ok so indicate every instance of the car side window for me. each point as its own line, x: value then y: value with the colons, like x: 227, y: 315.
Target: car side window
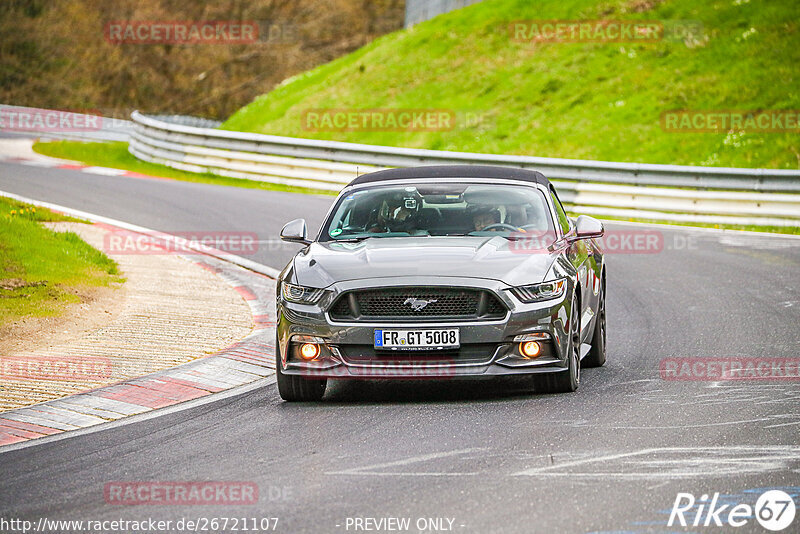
x: 563, y: 220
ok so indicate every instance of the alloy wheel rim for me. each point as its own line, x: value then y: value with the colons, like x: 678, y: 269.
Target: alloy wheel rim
x: 576, y: 346
x: 603, y: 320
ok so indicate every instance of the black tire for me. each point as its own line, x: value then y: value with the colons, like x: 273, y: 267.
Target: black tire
x: 569, y: 380
x: 297, y: 388
x: 597, y: 354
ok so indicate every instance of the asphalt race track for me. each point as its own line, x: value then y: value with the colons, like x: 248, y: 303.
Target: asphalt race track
x: 611, y: 457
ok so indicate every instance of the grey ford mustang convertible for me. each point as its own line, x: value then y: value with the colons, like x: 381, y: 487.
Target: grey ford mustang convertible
x: 439, y: 272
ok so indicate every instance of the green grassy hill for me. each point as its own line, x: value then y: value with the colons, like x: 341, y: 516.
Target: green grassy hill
x: 571, y: 100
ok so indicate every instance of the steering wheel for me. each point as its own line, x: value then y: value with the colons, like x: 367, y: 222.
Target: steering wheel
x: 529, y: 226
x: 499, y: 226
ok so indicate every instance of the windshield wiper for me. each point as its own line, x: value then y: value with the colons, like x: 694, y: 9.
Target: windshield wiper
x: 353, y: 239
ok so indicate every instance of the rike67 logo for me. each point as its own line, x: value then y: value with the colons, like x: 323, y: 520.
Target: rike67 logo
x: 774, y: 510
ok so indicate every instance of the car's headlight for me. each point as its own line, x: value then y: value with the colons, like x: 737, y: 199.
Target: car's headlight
x: 539, y: 292
x: 300, y: 294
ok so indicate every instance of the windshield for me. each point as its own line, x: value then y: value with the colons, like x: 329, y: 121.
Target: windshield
x: 439, y: 210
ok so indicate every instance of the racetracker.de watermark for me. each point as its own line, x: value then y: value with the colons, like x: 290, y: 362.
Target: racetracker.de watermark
x: 48, y: 120
x: 402, y: 365
x: 70, y: 368
x: 379, y: 120
x: 729, y: 368
x: 181, y: 493
x: 587, y: 31
x: 127, y: 242
x: 721, y: 121
x: 605, y: 31
x: 226, y: 32
x: 612, y: 242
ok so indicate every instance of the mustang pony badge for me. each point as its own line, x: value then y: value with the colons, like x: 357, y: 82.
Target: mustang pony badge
x: 418, y: 304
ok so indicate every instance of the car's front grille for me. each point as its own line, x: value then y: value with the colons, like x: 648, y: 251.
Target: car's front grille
x: 418, y: 304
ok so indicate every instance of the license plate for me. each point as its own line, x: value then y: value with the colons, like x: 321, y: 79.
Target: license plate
x: 417, y: 339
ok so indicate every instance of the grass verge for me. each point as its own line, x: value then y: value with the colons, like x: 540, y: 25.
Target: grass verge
x: 115, y: 155
x: 42, y: 271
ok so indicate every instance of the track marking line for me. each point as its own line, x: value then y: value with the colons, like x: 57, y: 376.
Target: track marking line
x: 371, y: 470
x: 685, y: 462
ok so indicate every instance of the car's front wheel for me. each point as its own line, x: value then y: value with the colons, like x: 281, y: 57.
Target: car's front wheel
x: 568, y: 380
x: 294, y: 388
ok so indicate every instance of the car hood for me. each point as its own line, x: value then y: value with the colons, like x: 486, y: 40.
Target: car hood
x: 495, y: 258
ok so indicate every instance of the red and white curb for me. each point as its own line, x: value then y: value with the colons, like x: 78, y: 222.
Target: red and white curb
x: 51, y: 163
x: 244, y: 363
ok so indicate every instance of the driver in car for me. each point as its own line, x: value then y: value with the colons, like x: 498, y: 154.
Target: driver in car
x: 399, y: 216
x: 485, y: 217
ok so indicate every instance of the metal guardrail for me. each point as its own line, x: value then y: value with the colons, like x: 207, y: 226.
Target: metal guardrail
x: 421, y: 10
x: 629, y: 190
x: 21, y: 120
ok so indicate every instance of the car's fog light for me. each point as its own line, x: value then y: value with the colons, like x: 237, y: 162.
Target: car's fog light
x: 309, y: 351
x: 530, y: 349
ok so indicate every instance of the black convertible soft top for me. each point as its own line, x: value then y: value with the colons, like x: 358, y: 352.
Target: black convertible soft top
x: 454, y: 171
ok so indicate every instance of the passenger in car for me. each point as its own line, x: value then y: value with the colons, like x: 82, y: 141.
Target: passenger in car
x: 516, y: 216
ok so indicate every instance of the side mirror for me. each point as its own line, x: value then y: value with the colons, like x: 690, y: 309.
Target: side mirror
x: 296, y: 232
x: 588, y: 227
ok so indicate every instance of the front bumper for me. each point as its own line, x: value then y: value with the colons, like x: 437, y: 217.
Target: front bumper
x: 487, y: 346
